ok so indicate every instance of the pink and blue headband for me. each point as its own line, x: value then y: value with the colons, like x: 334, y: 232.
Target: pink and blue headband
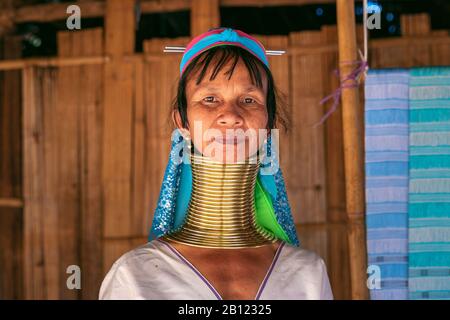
x: 220, y: 37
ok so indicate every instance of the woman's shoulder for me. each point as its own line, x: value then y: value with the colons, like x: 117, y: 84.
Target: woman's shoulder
x: 139, y: 253
x: 302, y: 257
x: 139, y: 258
x: 131, y: 268
x: 308, y: 269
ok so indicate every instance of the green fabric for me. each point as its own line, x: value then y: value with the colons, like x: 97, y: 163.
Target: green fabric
x: 265, y: 214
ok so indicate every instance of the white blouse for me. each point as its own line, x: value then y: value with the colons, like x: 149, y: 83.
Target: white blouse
x: 157, y: 271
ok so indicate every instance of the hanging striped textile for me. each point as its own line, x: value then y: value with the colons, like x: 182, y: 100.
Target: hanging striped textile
x: 386, y: 163
x: 429, y: 186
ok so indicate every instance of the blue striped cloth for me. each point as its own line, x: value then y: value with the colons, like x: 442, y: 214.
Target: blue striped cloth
x: 386, y: 163
x: 429, y: 185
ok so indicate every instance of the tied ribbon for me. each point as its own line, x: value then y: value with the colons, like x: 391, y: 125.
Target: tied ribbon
x: 353, y: 77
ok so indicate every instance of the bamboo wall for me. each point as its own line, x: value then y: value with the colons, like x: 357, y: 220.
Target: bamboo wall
x: 96, y: 136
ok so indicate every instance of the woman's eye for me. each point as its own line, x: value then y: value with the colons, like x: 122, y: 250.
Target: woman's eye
x: 209, y: 100
x: 249, y: 100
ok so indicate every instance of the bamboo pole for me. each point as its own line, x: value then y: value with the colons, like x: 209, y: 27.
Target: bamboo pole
x: 51, y: 62
x: 11, y: 202
x: 352, y: 122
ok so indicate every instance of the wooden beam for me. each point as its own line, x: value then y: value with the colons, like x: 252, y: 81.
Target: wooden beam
x: 57, y: 11
x: 96, y: 9
x: 165, y: 6
x: 51, y: 62
x: 352, y: 123
x: 89, y: 9
x: 205, y: 14
x: 268, y: 3
x: 118, y: 111
x: 11, y: 202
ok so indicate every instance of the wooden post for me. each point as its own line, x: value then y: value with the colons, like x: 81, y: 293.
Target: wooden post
x: 11, y: 222
x: 32, y: 196
x: 117, y: 128
x: 120, y: 31
x: 353, y: 137
x: 204, y: 16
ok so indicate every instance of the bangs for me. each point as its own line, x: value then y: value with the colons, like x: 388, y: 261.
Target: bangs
x: 220, y: 56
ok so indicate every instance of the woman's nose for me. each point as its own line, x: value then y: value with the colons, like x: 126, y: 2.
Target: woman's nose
x: 230, y: 116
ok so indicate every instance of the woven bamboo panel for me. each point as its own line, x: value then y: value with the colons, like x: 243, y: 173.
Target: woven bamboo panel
x: 62, y: 213
x: 91, y: 116
x: 307, y: 154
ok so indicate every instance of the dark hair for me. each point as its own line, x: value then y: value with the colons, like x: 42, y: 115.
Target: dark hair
x: 275, y: 101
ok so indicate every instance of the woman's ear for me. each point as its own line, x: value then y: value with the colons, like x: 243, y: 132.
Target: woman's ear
x: 176, y: 118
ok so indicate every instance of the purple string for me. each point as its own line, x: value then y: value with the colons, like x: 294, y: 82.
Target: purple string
x: 336, y: 95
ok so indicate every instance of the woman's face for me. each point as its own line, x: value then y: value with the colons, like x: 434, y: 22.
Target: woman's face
x: 225, y: 115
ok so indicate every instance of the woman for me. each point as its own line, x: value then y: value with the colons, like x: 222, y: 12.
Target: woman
x: 222, y: 228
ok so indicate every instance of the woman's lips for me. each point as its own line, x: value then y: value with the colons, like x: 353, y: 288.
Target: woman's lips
x: 229, y: 139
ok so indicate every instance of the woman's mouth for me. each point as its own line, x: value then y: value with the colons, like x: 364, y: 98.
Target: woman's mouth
x: 229, y: 139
